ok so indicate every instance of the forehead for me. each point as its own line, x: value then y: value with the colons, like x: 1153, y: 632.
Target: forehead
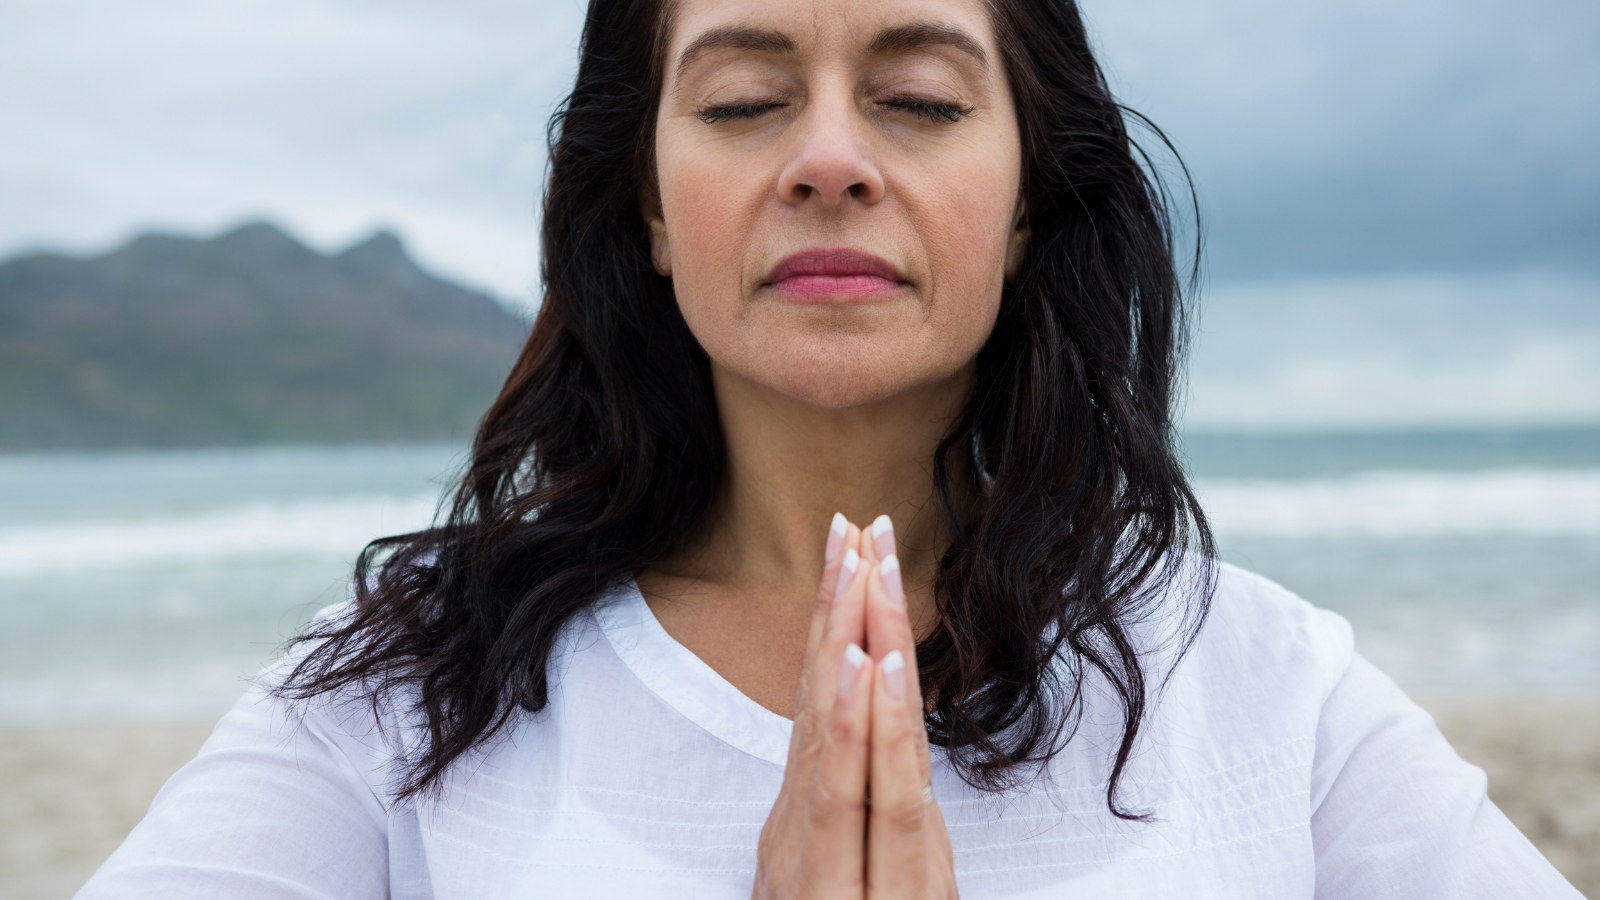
x: 845, y: 27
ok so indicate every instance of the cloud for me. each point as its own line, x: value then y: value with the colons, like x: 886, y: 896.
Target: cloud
x: 1371, y: 134
x: 1326, y: 137
x: 332, y: 117
x: 1520, y: 348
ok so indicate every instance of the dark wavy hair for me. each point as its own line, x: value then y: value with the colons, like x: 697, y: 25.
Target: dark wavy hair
x: 603, y: 450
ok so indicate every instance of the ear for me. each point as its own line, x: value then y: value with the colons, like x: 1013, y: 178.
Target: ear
x: 660, y: 249
x: 1017, y: 243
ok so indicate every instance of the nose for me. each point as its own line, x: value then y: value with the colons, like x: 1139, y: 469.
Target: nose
x: 829, y: 163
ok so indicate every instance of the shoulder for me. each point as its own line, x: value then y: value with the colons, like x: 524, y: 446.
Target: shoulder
x: 374, y: 726
x: 1257, y: 619
x: 1263, y: 649
x: 357, y: 728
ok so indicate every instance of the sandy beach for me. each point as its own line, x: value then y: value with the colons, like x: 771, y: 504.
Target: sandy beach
x: 69, y: 793
x: 1542, y: 756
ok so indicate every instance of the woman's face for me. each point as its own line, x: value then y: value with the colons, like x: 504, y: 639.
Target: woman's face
x: 838, y: 190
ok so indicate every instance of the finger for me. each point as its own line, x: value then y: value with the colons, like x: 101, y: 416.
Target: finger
x: 842, y: 623
x: 845, y: 625
x: 888, y: 620
x: 838, y: 530
x: 888, y: 631
x: 898, y: 822
x: 836, y: 802
x: 883, y: 539
x: 839, y: 537
x: 841, y: 534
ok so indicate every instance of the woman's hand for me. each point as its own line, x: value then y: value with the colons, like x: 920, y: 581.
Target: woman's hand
x: 858, y: 728
x: 813, y: 843
x: 908, y: 847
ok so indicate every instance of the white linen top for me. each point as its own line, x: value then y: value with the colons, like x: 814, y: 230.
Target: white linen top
x: 1277, y: 763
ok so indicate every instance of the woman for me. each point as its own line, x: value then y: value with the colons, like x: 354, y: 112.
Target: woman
x: 894, y: 259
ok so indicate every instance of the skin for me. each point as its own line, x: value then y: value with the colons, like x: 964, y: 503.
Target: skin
x: 815, y: 130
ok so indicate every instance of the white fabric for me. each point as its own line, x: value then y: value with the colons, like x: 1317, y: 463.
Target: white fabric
x: 1278, y: 764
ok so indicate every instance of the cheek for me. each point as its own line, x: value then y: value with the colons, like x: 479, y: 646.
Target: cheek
x: 967, y: 230
x: 709, y: 211
x: 965, y: 234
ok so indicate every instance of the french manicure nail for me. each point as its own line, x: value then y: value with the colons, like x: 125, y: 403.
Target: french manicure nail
x: 847, y: 570
x: 894, y: 675
x: 836, y: 533
x: 883, y: 536
x: 853, y: 658
x: 889, y: 575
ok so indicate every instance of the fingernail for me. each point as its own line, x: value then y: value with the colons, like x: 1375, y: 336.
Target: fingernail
x: 883, y: 536
x: 894, y: 675
x: 836, y: 533
x: 847, y: 570
x: 853, y: 658
x: 889, y: 575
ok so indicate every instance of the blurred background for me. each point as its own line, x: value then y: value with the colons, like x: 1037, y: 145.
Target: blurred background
x: 262, y: 265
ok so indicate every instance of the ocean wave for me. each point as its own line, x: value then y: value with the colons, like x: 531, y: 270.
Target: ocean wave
x: 1407, y: 504
x: 196, y: 690
x: 1378, y: 504
x: 315, y: 527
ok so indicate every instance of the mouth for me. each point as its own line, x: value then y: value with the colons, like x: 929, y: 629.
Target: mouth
x: 834, y: 275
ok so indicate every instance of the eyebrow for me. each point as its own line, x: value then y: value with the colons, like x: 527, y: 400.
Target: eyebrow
x: 736, y: 38
x: 899, y: 39
x: 919, y: 35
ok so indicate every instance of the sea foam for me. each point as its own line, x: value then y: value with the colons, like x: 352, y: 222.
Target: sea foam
x: 1408, y: 504
x: 1375, y: 504
x: 315, y: 527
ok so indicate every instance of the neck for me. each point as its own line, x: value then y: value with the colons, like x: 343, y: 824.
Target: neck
x: 792, y: 465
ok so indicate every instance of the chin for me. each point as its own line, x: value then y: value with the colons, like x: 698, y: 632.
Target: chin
x: 832, y: 392
x: 838, y: 376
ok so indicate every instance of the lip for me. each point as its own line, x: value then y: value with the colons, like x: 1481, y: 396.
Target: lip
x: 834, y: 274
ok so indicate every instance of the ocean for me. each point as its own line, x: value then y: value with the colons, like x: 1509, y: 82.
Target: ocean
x: 152, y: 585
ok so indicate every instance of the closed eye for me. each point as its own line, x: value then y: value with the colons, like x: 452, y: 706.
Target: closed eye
x: 942, y: 113
x: 732, y: 111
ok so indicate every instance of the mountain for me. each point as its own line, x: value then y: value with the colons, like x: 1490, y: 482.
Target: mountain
x: 245, y: 338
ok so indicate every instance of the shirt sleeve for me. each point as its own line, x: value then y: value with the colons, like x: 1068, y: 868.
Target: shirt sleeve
x: 1396, y: 813
x: 276, y: 805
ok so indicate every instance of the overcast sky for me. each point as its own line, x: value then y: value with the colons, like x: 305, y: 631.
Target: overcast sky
x: 1357, y: 135
x: 1342, y: 139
